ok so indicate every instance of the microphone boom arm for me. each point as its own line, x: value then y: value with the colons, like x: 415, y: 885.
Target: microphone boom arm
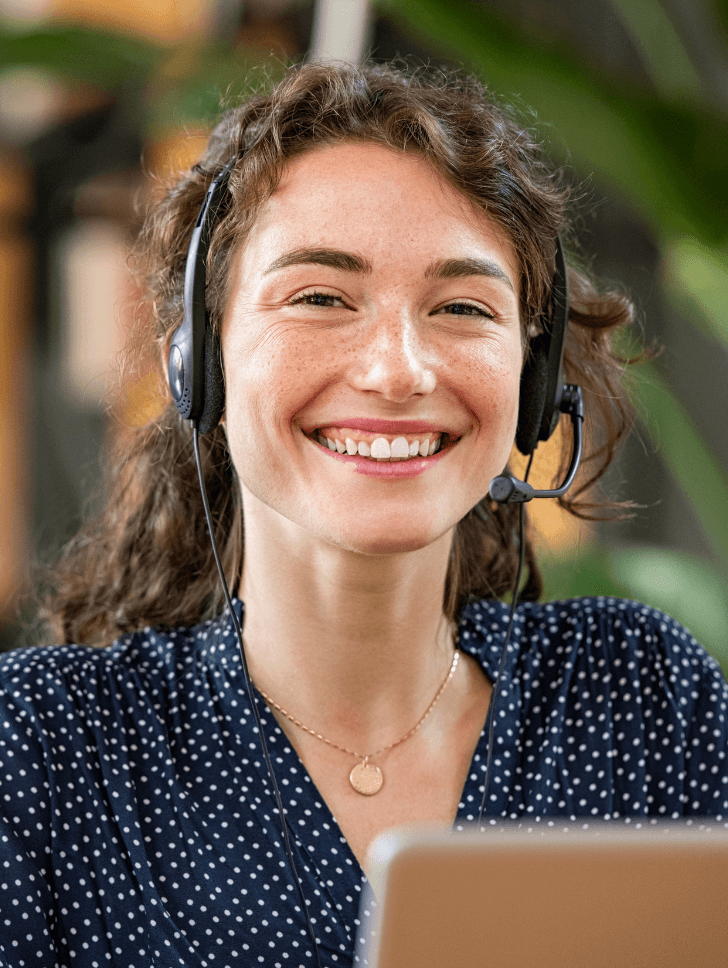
x: 507, y: 489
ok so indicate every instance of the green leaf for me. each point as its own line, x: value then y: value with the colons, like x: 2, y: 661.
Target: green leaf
x: 668, y: 158
x: 103, y: 59
x: 689, y: 460
x: 202, y: 81
x: 662, y: 50
x: 184, y: 84
x: 701, y: 274
x: 589, y: 572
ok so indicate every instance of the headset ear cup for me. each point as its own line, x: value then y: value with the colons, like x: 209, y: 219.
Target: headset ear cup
x: 532, y: 395
x: 213, y: 390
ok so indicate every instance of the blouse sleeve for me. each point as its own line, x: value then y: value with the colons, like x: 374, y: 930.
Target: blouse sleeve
x: 685, y: 715
x: 26, y: 896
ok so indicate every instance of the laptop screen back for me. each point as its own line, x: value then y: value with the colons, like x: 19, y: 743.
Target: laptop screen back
x: 579, y: 896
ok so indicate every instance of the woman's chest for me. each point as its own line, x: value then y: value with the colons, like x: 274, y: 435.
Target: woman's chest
x: 420, y: 791
x: 420, y: 780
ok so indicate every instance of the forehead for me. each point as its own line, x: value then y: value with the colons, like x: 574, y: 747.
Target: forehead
x: 373, y: 196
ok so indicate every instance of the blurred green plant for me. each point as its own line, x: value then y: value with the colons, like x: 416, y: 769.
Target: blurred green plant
x: 176, y: 85
x: 667, y: 155
x: 80, y: 55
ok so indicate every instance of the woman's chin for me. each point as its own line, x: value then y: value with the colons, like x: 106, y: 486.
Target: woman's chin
x: 379, y: 540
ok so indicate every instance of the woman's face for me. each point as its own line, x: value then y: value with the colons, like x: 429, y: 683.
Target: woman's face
x: 373, y: 307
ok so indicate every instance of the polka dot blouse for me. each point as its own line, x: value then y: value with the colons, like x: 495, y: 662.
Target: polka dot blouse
x: 137, y: 825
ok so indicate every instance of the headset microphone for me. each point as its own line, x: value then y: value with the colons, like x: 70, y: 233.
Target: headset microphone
x: 507, y: 489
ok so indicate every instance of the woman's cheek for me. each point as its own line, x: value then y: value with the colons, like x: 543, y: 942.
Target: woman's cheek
x: 494, y: 386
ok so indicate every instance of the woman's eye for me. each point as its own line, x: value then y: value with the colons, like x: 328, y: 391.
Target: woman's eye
x: 465, y: 309
x: 317, y: 299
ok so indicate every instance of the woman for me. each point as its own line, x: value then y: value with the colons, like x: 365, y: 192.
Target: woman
x: 379, y: 265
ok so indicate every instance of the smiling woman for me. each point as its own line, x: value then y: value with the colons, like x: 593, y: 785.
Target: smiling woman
x: 382, y: 271
x: 456, y: 140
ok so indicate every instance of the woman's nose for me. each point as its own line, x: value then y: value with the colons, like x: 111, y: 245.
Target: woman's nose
x: 394, y: 361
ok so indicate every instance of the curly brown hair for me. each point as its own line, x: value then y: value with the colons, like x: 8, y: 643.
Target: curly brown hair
x: 146, y: 559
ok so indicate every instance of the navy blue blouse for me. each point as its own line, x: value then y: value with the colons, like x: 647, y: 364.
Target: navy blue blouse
x: 137, y: 825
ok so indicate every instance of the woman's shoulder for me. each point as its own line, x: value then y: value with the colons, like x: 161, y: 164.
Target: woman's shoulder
x: 611, y: 690
x: 145, y: 660
x: 602, y: 632
x: 600, y: 619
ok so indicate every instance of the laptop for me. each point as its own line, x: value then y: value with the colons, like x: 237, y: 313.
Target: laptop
x: 634, y: 894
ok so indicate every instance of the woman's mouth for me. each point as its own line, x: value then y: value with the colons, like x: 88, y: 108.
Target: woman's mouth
x: 381, y: 447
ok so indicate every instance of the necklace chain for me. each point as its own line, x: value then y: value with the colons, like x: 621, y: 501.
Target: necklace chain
x: 365, y: 757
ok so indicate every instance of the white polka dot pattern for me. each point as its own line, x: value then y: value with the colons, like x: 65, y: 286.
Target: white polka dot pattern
x: 137, y: 827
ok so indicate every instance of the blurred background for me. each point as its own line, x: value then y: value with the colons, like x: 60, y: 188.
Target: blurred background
x: 99, y: 99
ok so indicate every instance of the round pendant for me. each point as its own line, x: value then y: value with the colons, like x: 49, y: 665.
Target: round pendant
x: 366, y: 779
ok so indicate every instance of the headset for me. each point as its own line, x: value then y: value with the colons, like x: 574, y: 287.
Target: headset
x: 194, y: 370
x: 544, y: 396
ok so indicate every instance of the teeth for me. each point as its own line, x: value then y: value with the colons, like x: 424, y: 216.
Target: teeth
x: 399, y: 448
x: 381, y: 449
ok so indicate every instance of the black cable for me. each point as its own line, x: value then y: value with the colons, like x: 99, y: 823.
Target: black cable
x: 253, y: 703
x: 504, y: 653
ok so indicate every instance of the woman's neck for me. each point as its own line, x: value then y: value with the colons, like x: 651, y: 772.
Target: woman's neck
x: 353, y: 645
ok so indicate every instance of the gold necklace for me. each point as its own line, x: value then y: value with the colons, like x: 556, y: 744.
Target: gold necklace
x: 365, y: 777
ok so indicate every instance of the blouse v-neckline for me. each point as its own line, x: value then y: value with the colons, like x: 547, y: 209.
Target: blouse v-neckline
x: 471, y: 795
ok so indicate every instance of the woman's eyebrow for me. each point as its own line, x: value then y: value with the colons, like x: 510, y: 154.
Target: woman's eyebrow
x: 350, y: 262
x: 334, y: 258
x: 454, y: 268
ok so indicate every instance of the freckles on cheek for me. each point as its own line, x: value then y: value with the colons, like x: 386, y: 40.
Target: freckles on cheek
x: 496, y: 390
x: 270, y: 389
